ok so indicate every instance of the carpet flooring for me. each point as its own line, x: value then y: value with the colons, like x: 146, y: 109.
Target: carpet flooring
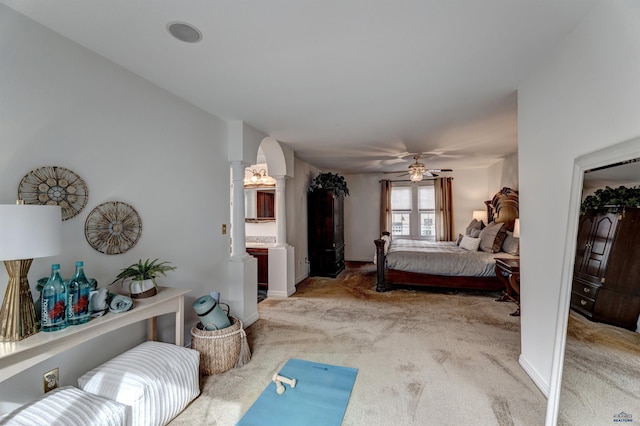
x: 601, y: 375
x: 423, y: 357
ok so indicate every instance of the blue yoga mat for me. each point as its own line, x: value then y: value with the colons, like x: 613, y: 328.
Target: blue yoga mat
x: 320, y: 397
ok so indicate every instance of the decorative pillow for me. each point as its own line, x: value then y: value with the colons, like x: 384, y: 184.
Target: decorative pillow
x: 474, y: 224
x: 459, y: 239
x: 511, y: 244
x: 475, y: 233
x: 470, y: 243
x: 492, y: 237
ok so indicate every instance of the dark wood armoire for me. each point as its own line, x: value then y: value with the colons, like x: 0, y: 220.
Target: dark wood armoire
x: 326, y: 233
x: 606, y: 278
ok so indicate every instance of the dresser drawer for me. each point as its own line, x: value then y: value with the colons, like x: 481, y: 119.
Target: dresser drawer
x: 582, y: 304
x: 584, y: 289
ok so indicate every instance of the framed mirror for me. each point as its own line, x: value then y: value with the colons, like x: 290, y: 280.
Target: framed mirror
x: 259, y: 204
x: 596, y: 365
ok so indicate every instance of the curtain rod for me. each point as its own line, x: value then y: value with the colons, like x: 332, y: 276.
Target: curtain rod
x: 408, y: 180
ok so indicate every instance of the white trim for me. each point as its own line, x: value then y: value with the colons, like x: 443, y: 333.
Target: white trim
x: 534, y: 375
x: 610, y: 155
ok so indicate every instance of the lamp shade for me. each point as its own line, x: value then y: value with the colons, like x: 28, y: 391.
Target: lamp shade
x: 480, y: 215
x: 516, y: 228
x: 29, y: 231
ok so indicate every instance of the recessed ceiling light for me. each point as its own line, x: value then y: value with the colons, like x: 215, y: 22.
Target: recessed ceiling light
x: 184, y: 32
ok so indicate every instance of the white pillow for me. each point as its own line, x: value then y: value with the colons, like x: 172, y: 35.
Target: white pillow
x: 470, y: 243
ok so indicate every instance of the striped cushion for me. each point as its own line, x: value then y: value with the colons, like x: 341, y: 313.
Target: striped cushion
x: 67, y: 406
x: 156, y: 380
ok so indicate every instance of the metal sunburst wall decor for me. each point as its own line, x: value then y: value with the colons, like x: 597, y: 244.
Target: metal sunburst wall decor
x: 56, y: 186
x: 113, y: 227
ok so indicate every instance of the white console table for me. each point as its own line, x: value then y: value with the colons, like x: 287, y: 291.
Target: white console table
x: 16, y: 357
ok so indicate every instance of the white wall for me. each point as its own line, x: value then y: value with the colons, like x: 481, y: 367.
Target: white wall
x: 296, y: 199
x: 585, y: 97
x: 63, y: 105
x: 260, y: 229
x: 504, y: 173
x: 470, y: 190
x: 361, y: 216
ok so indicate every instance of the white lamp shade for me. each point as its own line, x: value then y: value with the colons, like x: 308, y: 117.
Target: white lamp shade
x: 516, y: 229
x: 480, y: 215
x: 29, y: 231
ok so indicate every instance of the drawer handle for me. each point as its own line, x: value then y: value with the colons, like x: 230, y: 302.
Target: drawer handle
x: 583, y: 302
x: 586, y: 290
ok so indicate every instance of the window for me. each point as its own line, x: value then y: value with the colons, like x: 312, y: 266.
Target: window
x: 413, y: 210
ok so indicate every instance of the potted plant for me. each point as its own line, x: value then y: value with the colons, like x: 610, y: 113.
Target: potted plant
x: 611, y: 197
x: 331, y: 181
x: 142, y: 276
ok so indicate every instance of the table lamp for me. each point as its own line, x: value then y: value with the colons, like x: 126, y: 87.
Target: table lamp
x: 26, y: 232
x: 480, y: 215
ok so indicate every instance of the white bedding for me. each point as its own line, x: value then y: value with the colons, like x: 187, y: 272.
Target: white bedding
x: 440, y: 258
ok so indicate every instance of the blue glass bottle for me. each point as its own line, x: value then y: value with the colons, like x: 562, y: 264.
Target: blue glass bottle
x: 78, y: 290
x: 53, y: 300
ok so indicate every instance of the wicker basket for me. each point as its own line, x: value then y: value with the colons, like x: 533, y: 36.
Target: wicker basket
x: 221, y: 350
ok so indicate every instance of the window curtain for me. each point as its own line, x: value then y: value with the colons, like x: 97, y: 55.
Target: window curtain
x: 444, y: 208
x: 385, y: 206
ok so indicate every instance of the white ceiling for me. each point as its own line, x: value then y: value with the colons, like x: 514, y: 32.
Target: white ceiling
x: 350, y: 85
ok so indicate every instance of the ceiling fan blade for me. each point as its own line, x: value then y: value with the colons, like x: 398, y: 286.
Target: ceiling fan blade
x: 439, y: 170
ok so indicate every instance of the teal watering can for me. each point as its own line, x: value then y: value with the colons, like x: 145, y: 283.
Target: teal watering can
x: 211, y: 314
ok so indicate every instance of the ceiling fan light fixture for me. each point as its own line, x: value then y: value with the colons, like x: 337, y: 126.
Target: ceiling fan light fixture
x: 416, y: 177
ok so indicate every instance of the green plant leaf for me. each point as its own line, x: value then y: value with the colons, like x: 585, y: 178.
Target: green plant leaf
x: 147, y: 270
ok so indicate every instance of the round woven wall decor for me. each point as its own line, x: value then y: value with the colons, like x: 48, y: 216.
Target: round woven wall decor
x: 55, y: 186
x: 113, y: 227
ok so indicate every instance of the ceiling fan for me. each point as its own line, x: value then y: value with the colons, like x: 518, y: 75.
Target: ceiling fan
x: 417, y: 171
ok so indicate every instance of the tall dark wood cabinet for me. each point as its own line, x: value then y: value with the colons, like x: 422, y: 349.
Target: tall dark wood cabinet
x: 326, y: 233
x: 606, y: 278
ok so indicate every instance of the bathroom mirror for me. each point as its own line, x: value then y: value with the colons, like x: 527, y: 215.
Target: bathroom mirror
x: 596, y: 366
x: 259, y: 204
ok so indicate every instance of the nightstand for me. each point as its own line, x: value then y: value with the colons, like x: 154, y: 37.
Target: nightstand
x: 510, y: 266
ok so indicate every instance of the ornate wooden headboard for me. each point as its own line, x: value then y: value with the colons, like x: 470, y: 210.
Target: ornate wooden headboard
x: 503, y: 207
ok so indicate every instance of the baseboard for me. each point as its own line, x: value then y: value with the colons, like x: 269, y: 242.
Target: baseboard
x: 250, y: 319
x: 534, y: 375
x: 272, y: 293
x: 300, y: 278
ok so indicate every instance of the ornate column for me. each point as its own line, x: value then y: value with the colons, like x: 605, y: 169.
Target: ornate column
x: 238, y: 247
x: 281, y: 212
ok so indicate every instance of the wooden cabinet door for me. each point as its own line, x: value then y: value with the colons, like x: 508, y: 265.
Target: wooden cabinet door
x: 623, y: 266
x: 585, y: 225
x: 262, y: 254
x: 265, y: 202
x: 593, y: 262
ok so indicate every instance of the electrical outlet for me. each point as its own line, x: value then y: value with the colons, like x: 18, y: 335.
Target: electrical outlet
x: 224, y: 228
x: 51, y: 380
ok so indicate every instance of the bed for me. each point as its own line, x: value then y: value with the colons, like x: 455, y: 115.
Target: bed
x: 448, y: 264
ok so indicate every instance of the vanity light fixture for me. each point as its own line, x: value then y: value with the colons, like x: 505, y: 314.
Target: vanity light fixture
x: 259, y: 176
x: 184, y: 31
